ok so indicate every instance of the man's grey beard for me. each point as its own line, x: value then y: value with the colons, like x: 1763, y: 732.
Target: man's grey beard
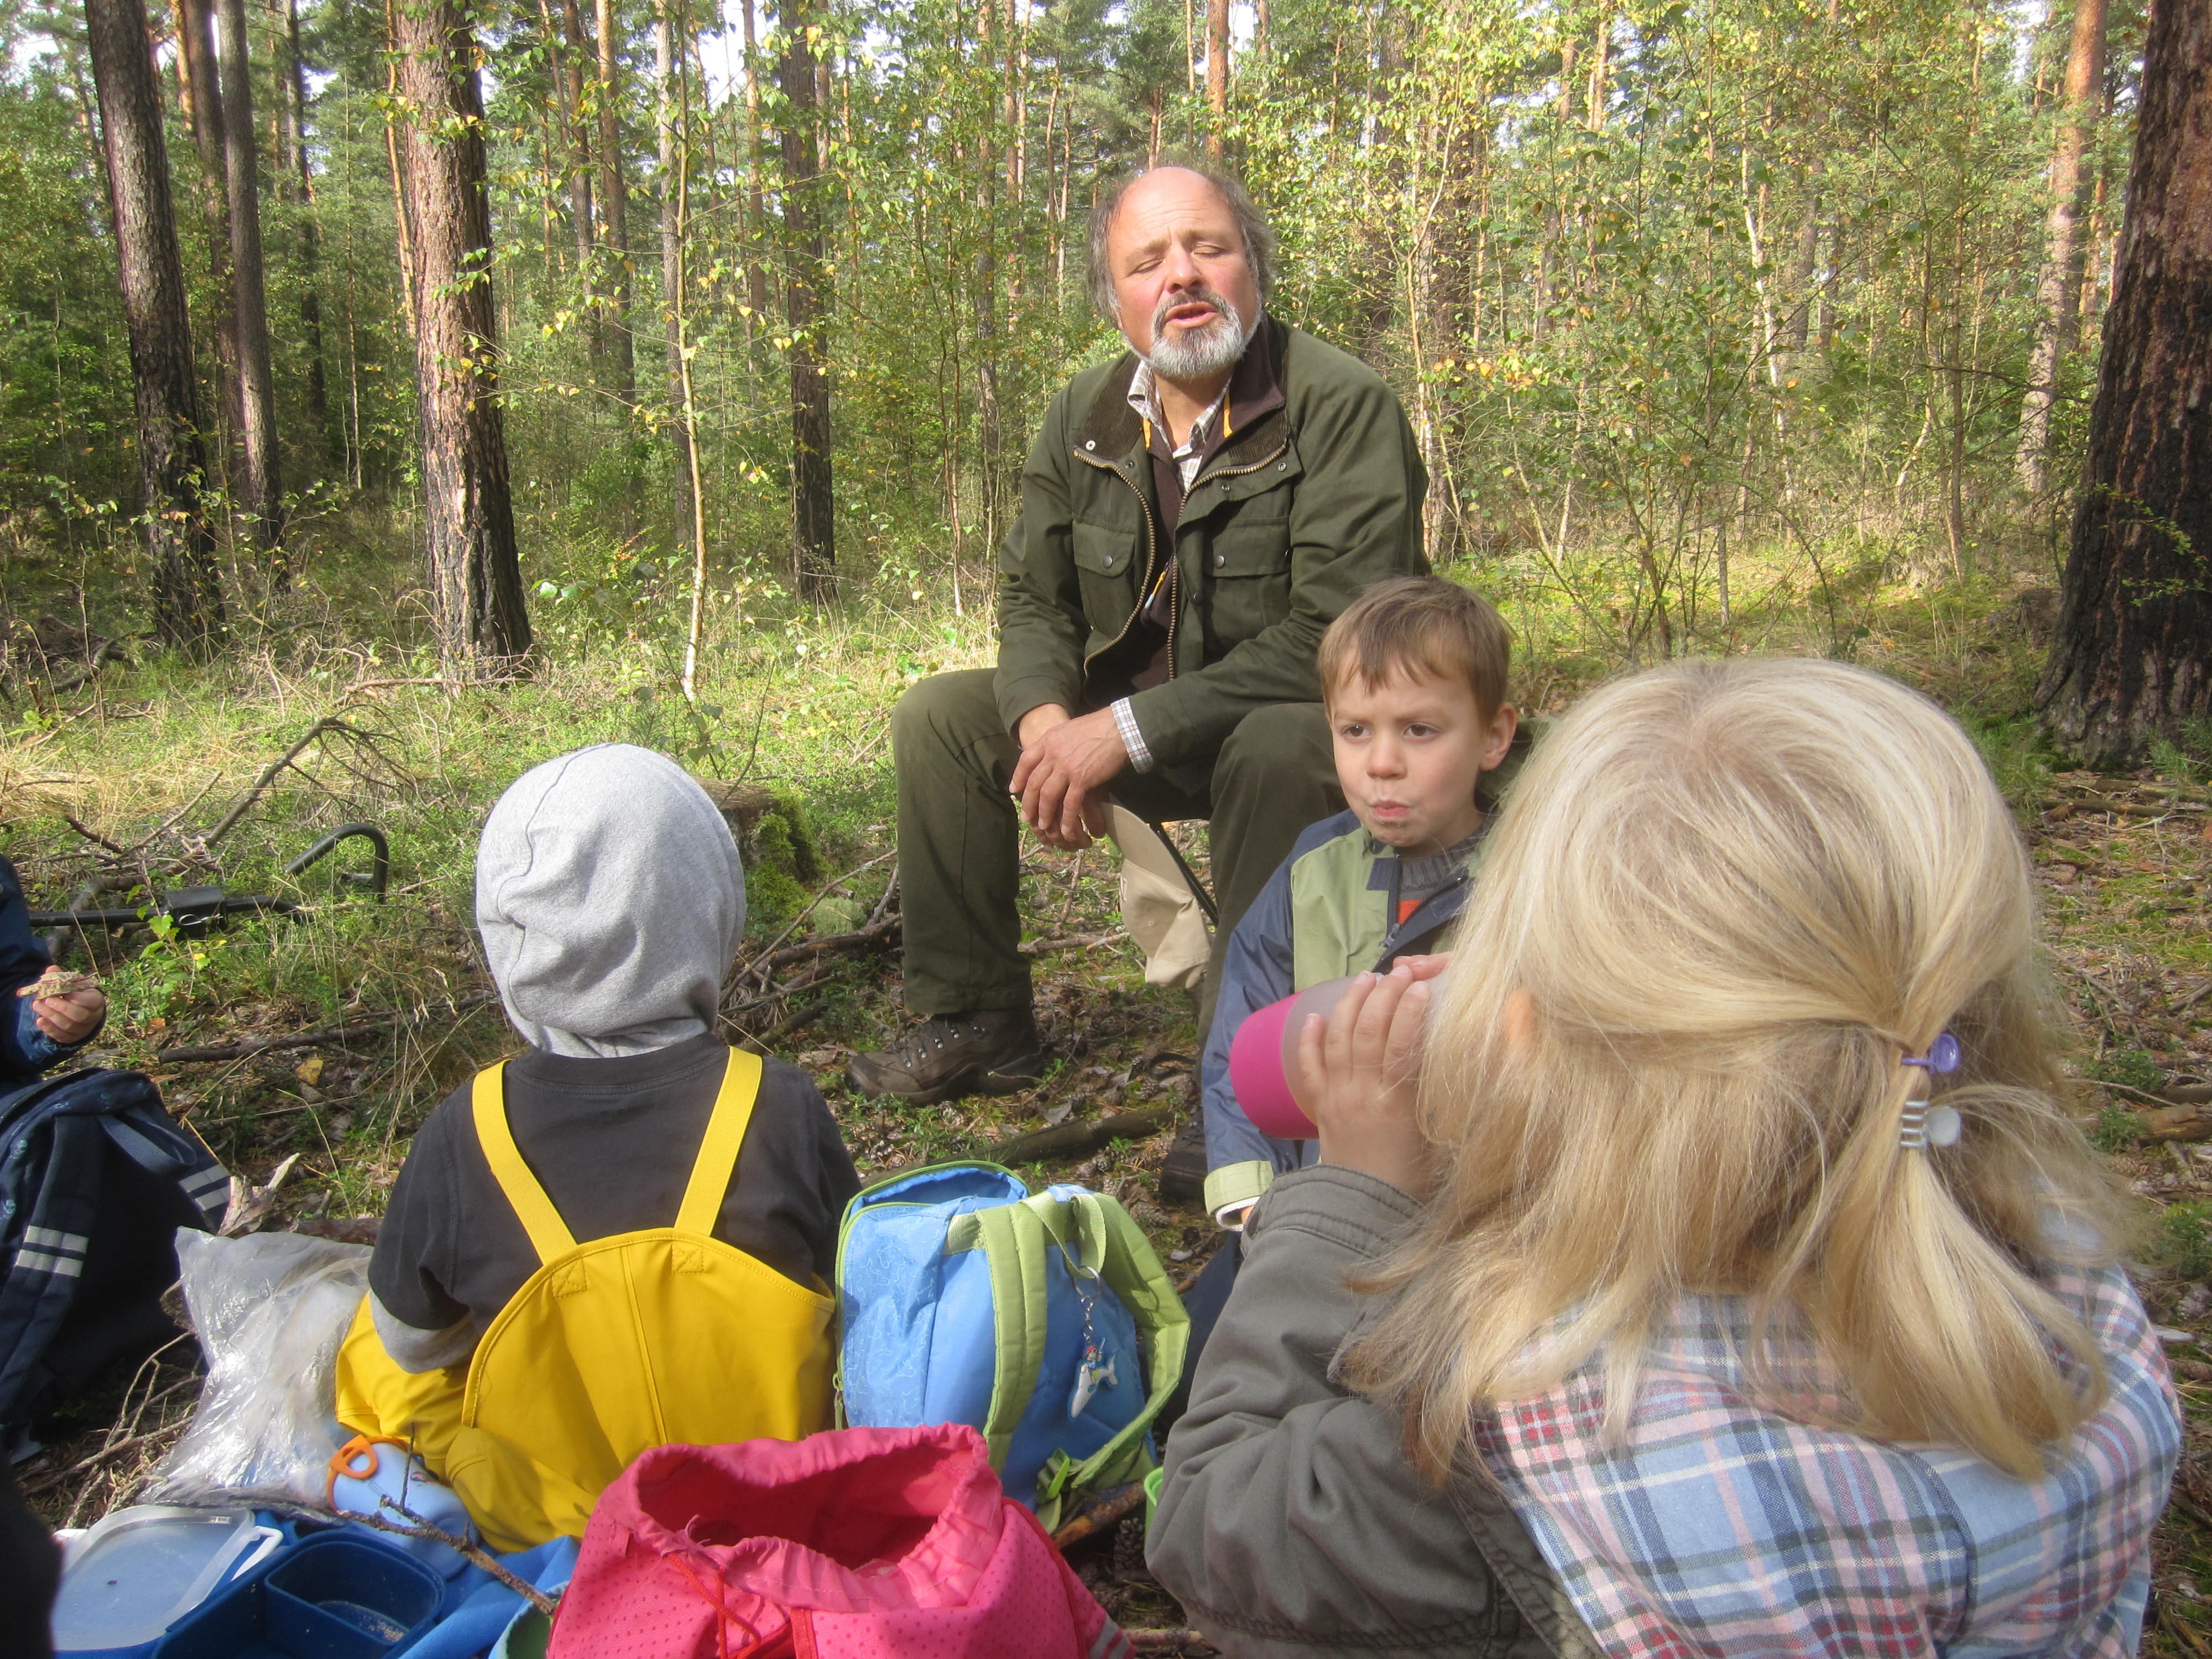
x: 1196, y: 354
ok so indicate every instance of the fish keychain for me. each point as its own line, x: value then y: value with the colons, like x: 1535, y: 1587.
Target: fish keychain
x: 1088, y: 1373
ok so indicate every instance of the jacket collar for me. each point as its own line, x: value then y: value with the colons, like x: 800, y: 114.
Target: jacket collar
x: 1112, y: 429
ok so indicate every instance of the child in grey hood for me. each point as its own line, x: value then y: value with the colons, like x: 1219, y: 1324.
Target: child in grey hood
x: 612, y: 901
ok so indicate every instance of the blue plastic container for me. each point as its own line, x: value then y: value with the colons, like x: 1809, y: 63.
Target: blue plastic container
x: 145, y: 1569
x: 332, y: 1596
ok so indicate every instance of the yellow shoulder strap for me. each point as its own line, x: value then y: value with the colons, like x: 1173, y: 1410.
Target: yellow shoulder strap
x: 548, y: 1234
x: 718, y: 1149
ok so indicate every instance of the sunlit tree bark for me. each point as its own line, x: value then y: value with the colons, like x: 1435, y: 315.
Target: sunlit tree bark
x: 257, y: 391
x: 2058, y: 297
x: 806, y: 314
x: 2133, y: 652
x: 187, y: 591
x: 474, y: 570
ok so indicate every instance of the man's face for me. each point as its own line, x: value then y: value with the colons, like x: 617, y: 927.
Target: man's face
x: 1184, y: 290
x: 1409, y: 752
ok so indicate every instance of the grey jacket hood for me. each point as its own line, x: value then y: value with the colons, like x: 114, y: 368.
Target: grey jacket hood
x: 612, y: 901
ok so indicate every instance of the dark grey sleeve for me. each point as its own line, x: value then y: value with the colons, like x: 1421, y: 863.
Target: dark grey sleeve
x: 411, y: 1269
x: 1289, y: 1522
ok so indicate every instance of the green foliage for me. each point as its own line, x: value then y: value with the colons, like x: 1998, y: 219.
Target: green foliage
x: 2115, y: 1130
x: 2131, y: 1068
x: 2183, y: 1245
x: 785, y: 861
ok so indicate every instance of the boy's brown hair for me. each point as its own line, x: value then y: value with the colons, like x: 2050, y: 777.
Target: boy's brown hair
x: 1422, y: 623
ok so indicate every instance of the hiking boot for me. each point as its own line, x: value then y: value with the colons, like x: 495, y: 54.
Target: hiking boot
x: 1182, y: 1171
x: 990, y: 1051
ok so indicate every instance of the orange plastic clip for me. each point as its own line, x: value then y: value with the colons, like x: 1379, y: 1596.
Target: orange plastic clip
x: 346, y: 1465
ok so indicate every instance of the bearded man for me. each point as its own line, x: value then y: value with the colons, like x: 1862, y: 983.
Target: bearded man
x: 1193, y: 515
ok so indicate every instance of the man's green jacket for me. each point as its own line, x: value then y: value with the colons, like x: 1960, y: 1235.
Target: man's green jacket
x: 1283, y: 527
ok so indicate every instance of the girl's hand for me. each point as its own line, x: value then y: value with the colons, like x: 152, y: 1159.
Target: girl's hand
x: 1358, y: 1073
x: 69, y: 1017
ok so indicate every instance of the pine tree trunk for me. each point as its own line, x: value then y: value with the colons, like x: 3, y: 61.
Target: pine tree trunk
x: 293, y: 95
x: 2132, y: 654
x: 202, y: 101
x: 1217, y: 72
x: 807, y: 314
x: 171, y: 460
x: 474, y: 571
x: 614, y: 204
x: 2059, y: 294
x: 264, y: 485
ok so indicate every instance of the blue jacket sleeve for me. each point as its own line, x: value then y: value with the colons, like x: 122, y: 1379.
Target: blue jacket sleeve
x: 1256, y: 970
x: 25, y: 1050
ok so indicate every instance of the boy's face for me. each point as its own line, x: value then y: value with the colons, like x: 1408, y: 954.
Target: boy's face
x: 1408, y: 753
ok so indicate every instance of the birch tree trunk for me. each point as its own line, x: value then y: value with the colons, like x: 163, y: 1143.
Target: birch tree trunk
x: 2132, y: 654
x: 474, y: 571
x: 256, y: 399
x: 2059, y: 295
x: 171, y: 459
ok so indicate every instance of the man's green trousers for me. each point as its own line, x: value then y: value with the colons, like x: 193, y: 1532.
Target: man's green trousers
x: 959, y: 831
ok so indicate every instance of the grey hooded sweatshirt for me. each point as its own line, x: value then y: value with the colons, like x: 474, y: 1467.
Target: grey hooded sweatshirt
x: 612, y: 901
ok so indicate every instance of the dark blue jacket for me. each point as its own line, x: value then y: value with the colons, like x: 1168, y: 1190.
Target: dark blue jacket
x: 1328, y: 910
x: 25, y: 1050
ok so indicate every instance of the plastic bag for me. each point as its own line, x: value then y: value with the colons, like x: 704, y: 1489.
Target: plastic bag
x: 269, y: 1310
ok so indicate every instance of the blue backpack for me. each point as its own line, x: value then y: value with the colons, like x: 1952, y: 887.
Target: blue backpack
x: 1044, y: 1322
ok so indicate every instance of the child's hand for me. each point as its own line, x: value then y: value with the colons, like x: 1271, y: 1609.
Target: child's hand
x: 1359, y: 1073
x: 71, y: 1017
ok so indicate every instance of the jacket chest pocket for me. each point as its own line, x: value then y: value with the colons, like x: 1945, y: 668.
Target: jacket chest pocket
x: 1248, y: 568
x: 1105, y: 557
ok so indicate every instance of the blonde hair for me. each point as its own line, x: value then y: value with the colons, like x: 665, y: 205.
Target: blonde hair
x: 1423, y: 622
x: 1726, y: 899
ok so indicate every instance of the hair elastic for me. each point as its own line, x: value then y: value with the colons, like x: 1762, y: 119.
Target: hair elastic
x: 1921, y: 1125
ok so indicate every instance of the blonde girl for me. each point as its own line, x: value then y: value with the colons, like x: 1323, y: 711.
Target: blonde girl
x: 1729, y: 1281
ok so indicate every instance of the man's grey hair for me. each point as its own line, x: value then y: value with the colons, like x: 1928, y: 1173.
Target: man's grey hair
x: 1259, y: 240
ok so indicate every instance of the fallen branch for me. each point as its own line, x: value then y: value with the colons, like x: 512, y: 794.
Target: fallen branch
x: 474, y: 1554
x: 327, y: 1034
x: 109, y: 651
x: 785, y: 1026
x: 322, y: 727
x: 1081, y: 942
x: 1104, y: 1509
x: 94, y: 835
x: 106, y: 1454
x: 1077, y: 1139
x: 874, y: 933
x: 1166, y: 1641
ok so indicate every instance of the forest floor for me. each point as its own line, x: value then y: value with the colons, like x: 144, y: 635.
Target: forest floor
x: 312, y: 1046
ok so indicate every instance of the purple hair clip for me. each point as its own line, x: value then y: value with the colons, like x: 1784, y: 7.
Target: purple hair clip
x: 1923, y: 1125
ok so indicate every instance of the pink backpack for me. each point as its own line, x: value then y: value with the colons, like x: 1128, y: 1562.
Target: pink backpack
x: 852, y: 1544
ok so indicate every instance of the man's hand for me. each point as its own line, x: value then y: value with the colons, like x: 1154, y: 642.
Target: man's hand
x: 1064, y: 762
x: 1358, y: 1075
